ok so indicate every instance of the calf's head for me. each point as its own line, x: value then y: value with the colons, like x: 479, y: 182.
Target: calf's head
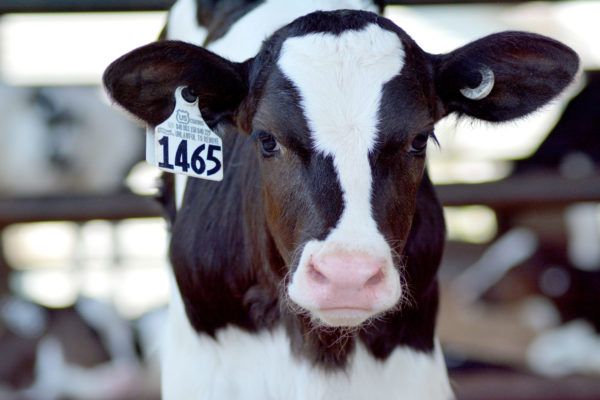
x: 341, y: 106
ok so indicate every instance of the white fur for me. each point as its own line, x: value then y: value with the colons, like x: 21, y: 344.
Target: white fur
x: 245, y: 37
x: 260, y: 366
x: 183, y: 25
x: 340, y: 80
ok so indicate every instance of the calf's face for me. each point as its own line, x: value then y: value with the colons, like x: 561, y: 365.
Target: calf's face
x: 325, y: 143
x: 341, y: 106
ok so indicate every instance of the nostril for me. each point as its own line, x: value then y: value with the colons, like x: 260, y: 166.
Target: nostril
x: 317, y: 276
x: 375, y: 279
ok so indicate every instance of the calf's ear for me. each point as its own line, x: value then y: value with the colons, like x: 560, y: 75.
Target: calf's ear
x: 144, y: 80
x: 503, y: 76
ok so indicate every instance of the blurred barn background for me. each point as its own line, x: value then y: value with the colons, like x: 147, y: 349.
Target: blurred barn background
x: 83, y: 273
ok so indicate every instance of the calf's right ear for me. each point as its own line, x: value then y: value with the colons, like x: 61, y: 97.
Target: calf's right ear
x: 144, y: 80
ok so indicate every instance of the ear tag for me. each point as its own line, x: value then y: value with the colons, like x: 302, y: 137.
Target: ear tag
x: 184, y: 144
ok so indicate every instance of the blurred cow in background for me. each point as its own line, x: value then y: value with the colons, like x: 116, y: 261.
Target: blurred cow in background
x: 63, y: 140
x: 86, y: 351
x: 553, y: 252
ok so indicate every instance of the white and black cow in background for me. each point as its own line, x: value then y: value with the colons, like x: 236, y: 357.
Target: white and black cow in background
x: 55, y: 141
x: 309, y: 272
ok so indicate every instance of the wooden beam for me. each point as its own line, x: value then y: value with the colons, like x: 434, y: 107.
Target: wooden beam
x: 535, y: 190
x: 78, y: 208
x: 539, y: 190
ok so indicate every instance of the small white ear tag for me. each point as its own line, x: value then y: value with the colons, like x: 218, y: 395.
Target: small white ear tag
x: 184, y: 144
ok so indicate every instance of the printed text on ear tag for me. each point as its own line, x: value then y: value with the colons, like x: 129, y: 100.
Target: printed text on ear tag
x: 184, y: 144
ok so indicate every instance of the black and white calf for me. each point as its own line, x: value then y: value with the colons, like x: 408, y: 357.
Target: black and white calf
x: 309, y: 272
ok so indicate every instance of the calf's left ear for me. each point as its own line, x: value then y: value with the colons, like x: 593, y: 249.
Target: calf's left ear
x: 503, y: 76
x: 144, y: 80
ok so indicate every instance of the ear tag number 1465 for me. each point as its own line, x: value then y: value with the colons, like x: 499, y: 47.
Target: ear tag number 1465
x: 184, y: 144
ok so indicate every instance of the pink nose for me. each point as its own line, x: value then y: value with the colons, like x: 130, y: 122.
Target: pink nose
x: 346, y: 280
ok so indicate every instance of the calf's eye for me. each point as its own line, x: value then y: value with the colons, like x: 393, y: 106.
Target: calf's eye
x: 268, y: 144
x: 419, y: 144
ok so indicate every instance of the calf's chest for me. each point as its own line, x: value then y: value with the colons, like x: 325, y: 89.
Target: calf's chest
x: 261, y: 366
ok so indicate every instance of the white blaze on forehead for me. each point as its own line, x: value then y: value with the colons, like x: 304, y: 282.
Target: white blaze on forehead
x: 340, y: 80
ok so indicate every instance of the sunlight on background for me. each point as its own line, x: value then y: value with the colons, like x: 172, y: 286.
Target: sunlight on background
x: 471, y: 224
x: 70, y: 48
x: 121, y: 262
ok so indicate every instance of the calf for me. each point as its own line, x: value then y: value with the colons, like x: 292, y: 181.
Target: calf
x: 309, y: 272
